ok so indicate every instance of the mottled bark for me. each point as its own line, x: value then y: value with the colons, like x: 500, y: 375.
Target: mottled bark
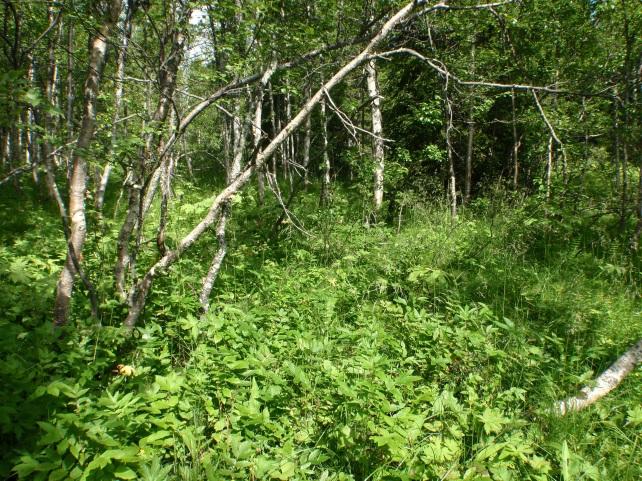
x: 604, y: 384
x: 326, y: 167
x: 78, y: 183
x: 377, y: 130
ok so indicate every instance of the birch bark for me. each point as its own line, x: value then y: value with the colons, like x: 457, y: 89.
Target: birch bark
x: 78, y: 183
x: 377, y: 130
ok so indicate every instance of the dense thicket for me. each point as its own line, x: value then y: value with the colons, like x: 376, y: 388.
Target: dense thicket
x: 289, y: 239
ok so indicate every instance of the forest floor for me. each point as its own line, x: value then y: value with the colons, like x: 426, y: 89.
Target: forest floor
x: 414, y: 351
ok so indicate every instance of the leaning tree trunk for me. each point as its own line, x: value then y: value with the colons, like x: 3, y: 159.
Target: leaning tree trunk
x: 78, y: 183
x: 141, y: 290
x: 377, y: 129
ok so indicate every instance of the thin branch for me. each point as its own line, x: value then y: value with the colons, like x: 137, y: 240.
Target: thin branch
x: 549, y: 125
x: 274, y: 187
x: 50, y: 27
x: 348, y: 124
x: 441, y: 68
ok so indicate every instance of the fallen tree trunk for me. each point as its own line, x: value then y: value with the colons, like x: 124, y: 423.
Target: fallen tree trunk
x: 605, y: 383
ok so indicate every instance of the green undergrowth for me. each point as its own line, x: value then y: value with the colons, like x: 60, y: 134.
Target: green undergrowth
x: 419, y: 351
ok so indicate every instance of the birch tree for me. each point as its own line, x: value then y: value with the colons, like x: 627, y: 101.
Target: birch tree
x: 109, y: 12
x: 377, y: 131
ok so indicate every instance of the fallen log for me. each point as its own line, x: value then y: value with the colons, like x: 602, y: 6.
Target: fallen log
x: 604, y: 384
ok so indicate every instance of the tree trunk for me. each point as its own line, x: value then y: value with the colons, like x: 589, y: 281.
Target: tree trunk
x: 471, y: 136
x: 604, y: 384
x: 31, y: 153
x: 616, y: 145
x: 452, y: 186
x: 469, y: 157
x: 257, y: 131
x: 126, y: 27
x: 325, y: 179
x: 307, y: 140
x: 78, y: 184
x: 377, y: 130
x: 217, y: 261
x: 145, y: 177
x: 71, y: 96
x: 165, y: 181
x: 549, y: 167
x: 516, y: 142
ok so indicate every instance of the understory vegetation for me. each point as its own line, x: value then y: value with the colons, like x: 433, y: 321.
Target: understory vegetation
x: 320, y: 240
x: 410, y: 350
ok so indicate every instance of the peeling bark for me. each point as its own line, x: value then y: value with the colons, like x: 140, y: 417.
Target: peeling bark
x: 78, y: 183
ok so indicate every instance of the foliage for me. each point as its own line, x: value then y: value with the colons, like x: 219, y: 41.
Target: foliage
x: 428, y: 354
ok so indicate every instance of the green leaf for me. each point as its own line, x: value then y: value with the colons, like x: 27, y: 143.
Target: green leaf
x: 58, y: 474
x: 634, y: 416
x: 492, y: 420
x: 154, y: 438
x: 564, y: 462
x: 53, y: 433
x: 125, y: 473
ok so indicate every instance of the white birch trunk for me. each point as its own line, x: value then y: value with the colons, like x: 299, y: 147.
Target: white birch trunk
x: 604, y: 384
x: 307, y: 140
x: 78, y: 184
x: 377, y: 130
x: 325, y: 179
x: 126, y: 26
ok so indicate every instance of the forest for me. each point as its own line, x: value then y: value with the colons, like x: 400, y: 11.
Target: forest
x: 334, y: 240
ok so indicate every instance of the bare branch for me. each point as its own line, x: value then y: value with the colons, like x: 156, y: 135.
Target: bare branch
x: 549, y: 125
x: 441, y: 68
